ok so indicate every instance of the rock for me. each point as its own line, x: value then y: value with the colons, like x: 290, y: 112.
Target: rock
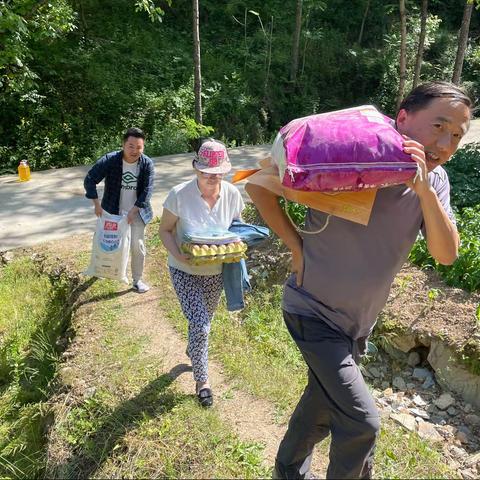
x: 427, y: 431
x: 421, y: 373
x: 458, y: 452
x: 67, y: 376
x: 406, y: 420
x: 462, y: 437
x: 413, y: 359
x: 418, y: 412
x: 403, y: 342
x: 452, y: 411
x: 432, y: 409
x: 385, y: 385
x: 399, y: 383
x: 410, y: 386
x: 444, y: 401
x: 452, y: 375
x: 473, y: 460
x: 388, y: 392
x: 7, y: 257
x: 468, y: 408
x: 468, y: 474
x: 90, y: 392
x: 448, y: 431
x: 465, y: 429
x: 375, y: 372
x: 428, y: 383
x: 472, y: 419
x: 419, y: 401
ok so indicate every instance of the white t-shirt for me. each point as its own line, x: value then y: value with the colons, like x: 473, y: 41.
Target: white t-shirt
x: 128, y: 192
x: 194, y: 215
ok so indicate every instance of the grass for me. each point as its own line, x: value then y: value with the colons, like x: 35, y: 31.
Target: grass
x: 31, y: 321
x: 119, y: 413
x: 259, y: 356
x: 135, y: 423
x: 402, y: 454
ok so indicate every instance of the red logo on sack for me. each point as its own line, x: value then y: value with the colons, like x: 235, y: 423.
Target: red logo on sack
x: 110, y: 225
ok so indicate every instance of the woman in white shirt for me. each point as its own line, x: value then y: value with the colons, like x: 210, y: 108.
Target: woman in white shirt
x: 204, y: 204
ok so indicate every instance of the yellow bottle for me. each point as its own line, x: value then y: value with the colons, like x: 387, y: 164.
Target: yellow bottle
x: 23, y: 171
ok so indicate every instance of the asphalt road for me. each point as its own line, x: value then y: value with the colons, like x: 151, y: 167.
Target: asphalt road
x: 52, y: 205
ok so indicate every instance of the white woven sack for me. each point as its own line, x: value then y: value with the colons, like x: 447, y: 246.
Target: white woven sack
x: 110, y: 248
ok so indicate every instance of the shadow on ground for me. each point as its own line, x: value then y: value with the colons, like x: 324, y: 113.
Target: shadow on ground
x: 154, y: 399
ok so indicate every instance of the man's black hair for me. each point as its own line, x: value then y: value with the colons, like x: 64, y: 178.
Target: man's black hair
x: 133, y: 132
x: 422, y: 95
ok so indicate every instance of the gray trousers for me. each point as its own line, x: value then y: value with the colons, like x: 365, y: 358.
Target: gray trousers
x: 336, y: 401
x: 138, y: 251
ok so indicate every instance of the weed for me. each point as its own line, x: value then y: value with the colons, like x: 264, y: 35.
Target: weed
x: 433, y: 294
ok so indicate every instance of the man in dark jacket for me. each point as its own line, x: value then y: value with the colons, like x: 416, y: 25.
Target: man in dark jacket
x: 128, y: 175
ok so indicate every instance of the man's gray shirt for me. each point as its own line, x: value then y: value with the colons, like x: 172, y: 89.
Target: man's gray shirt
x: 349, y: 268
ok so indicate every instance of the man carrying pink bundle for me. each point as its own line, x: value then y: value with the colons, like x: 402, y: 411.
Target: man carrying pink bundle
x: 341, y: 280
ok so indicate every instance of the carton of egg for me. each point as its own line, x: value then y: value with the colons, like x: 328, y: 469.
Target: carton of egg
x: 214, y: 254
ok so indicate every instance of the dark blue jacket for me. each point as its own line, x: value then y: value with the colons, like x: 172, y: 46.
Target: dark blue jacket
x: 110, y: 168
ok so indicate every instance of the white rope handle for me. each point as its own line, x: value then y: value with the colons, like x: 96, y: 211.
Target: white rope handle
x: 298, y: 229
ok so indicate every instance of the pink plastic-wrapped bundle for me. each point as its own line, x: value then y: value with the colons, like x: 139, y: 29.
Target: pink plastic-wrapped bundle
x: 345, y: 150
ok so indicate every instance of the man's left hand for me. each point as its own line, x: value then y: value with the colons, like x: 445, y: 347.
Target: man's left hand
x: 420, y: 184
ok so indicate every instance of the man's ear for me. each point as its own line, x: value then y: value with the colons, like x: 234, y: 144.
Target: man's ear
x: 401, y: 118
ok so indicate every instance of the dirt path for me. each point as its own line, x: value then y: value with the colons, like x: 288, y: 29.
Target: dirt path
x: 252, y: 419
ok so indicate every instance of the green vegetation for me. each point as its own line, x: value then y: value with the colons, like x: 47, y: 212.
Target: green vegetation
x: 464, y: 175
x: 32, y: 318
x: 131, y: 421
x: 75, y: 73
x: 465, y: 272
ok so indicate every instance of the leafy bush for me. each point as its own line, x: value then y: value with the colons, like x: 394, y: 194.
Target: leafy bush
x: 296, y: 211
x: 465, y: 272
x: 464, y: 174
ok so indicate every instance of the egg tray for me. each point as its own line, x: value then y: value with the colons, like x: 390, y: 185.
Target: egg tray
x: 217, y: 259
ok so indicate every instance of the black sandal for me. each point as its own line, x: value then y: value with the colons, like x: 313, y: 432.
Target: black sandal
x: 205, y: 397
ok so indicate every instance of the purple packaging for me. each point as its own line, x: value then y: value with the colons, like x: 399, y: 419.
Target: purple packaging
x: 345, y: 150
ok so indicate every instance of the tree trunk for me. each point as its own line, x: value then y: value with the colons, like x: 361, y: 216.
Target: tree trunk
x: 403, y: 52
x: 462, y: 43
x: 362, y: 26
x: 421, y: 43
x: 269, y: 55
x: 296, y: 42
x: 197, y: 74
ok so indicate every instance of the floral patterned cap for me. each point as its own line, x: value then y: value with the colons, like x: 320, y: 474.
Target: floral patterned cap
x: 212, y: 157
